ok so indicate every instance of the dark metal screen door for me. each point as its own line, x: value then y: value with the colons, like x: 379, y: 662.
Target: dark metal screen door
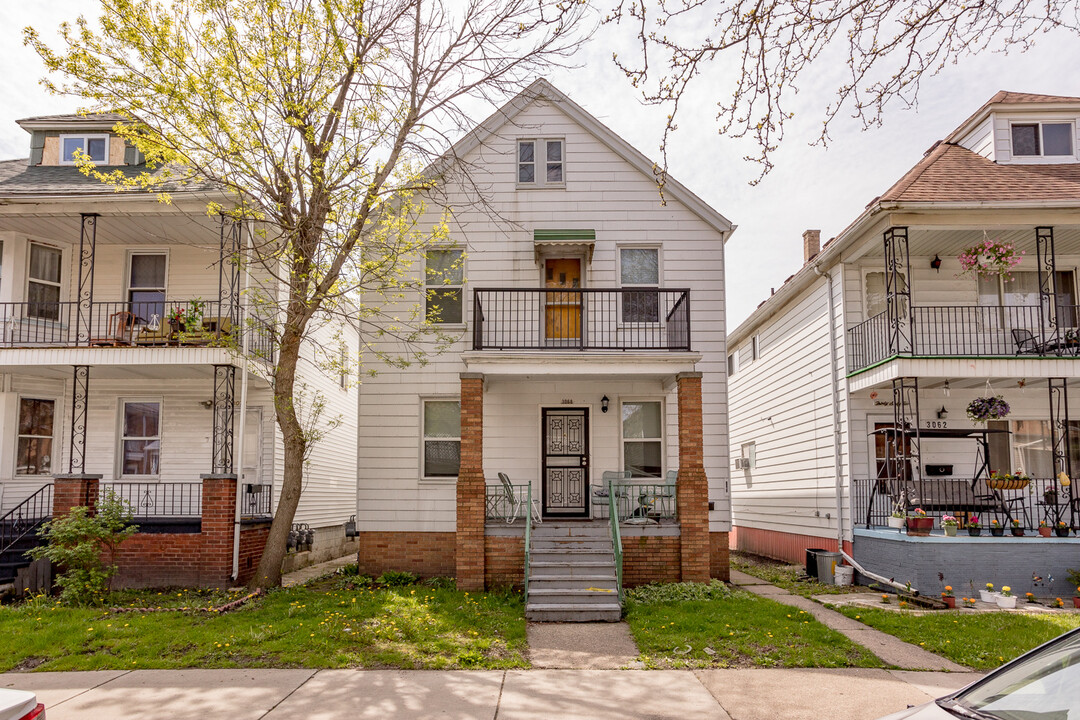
x: 566, y: 462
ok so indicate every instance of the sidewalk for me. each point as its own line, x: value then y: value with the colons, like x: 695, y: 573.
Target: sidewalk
x: 805, y: 694
x: 889, y: 648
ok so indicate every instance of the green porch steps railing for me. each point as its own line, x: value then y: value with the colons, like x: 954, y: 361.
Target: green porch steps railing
x: 616, y: 537
x: 528, y: 536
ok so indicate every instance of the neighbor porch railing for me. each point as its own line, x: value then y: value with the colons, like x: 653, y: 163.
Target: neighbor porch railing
x: 581, y: 319
x: 157, y: 500
x: 1043, y: 499
x: 26, y: 517
x: 255, y: 501
x: 967, y: 331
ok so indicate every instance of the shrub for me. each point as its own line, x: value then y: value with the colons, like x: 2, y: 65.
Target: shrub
x: 396, y: 578
x: 678, y: 592
x: 76, y: 542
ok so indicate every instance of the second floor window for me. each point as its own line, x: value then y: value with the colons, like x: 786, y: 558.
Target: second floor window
x: 140, y: 445
x: 1022, y: 292
x: 1042, y: 139
x: 444, y: 285
x: 146, y: 285
x: 640, y: 267
x: 877, y: 297
x: 96, y: 146
x: 540, y: 162
x: 43, y: 287
x: 34, y: 446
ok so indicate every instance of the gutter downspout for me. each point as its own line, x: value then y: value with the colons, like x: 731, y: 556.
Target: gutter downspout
x: 239, y: 444
x: 834, y: 365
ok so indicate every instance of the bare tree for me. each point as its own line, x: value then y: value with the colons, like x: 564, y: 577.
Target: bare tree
x: 751, y: 54
x: 319, y: 118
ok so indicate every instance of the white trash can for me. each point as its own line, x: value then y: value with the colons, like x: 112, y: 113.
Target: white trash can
x: 844, y: 574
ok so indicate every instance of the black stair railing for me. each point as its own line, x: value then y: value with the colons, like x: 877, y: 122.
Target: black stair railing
x: 26, y: 517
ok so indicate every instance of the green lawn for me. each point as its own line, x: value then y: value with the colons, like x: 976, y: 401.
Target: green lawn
x: 979, y: 640
x: 734, y: 628
x: 406, y: 627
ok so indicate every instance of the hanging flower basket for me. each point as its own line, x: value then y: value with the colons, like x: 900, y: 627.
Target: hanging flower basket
x: 987, y: 408
x: 989, y: 258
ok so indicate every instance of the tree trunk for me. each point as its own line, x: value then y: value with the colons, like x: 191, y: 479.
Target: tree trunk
x: 268, y: 573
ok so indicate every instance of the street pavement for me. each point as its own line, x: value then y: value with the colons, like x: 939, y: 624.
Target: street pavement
x: 751, y: 694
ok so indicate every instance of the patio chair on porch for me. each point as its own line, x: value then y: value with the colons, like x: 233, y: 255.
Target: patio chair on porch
x: 1028, y: 344
x: 600, y: 491
x: 121, y: 326
x: 515, y: 503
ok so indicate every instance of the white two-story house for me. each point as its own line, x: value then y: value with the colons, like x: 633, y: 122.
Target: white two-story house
x: 851, y: 386
x: 131, y: 358
x: 590, y: 346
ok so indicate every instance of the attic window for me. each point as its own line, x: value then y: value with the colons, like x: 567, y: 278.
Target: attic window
x: 96, y: 146
x: 1042, y: 139
x: 540, y: 163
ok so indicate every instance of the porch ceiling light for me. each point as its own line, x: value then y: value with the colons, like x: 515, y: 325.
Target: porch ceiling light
x: 604, y: 403
x: 936, y: 263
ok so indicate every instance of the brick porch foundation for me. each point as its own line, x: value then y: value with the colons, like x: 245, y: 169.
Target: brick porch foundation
x: 427, y: 554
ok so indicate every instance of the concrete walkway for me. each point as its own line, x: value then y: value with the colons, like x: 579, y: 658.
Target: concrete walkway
x: 582, y: 646
x: 301, y: 576
x: 757, y: 694
x: 890, y: 649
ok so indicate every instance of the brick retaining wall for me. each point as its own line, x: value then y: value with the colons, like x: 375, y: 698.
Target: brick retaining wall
x: 427, y: 554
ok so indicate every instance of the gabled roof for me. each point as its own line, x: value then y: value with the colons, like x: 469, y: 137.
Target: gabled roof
x: 542, y: 89
x: 70, y: 120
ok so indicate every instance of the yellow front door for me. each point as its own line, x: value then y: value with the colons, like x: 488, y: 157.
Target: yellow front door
x: 563, y: 310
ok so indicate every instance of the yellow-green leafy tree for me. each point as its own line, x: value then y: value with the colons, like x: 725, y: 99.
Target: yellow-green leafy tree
x: 324, y: 125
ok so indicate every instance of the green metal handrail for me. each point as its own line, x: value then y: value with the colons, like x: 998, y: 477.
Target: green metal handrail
x: 528, y: 536
x: 616, y: 537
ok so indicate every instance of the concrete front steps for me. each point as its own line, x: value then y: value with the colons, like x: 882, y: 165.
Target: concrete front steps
x: 572, y: 574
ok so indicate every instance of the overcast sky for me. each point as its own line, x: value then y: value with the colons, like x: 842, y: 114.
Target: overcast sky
x: 811, y: 187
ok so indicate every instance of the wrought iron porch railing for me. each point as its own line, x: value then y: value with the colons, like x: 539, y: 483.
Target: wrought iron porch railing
x: 581, y: 319
x: 157, y: 500
x: 498, y: 505
x: 966, y: 331
x: 256, y: 500
x: 26, y: 517
x: 130, y: 324
x: 1041, y: 500
x: 639, y: 502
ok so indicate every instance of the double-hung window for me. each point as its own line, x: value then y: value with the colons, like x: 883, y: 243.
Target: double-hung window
x: 43, y: 287
x: 541, y: 162
x: 877, y: 295
x: 146, y: 285
x: 34, y: 444
x: 96, y: 146
x: 1019, y: 299
x: 640, y: 268
x: 140, y: 443
x: 1033, y: 139
x: 642, y: 437
x: 442, y: 438
x: 444, y: 281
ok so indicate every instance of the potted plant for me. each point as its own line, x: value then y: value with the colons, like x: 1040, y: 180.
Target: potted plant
x: 1061, y: 529
x: 1057, y: 603
x: 1016, y: 480
x: 896, y: 520
x: 948, y: 598
x: 982, y: 409
x: 969, y: 602
x: 1076, y: 598
x: 1030, y: 597
x: 974, y: 528
x: 1016, y: 528
x: 996, y: 528
x: 919, y: 524
x: 1044, y: 529
x: 1050, y: 495
x: 1006, y: 600
x: 949, y: 525
x: 176, y: 318
x: 989, y: 258
x: 987, y: 595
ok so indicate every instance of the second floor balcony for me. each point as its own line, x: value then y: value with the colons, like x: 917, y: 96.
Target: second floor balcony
x: 581, y: 319
x: 966, y: 332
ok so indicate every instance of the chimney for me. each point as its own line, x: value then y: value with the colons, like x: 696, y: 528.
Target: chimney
x: 811, y: 244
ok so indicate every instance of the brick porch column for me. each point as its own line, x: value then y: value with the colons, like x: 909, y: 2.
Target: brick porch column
x: 693, y: 488
x: 218, y: 516
x: 469, y: 549
x: 76, y: 490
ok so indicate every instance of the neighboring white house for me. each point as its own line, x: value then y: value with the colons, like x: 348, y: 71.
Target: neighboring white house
x: 94, y: 379
x: 583, y: 305
x: 879, y: 330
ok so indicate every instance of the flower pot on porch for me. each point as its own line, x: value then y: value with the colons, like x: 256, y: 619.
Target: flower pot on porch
x: 949, y: 600
x: 997, y: 532
x: 950, y: 530
x: 896, y: 522
x: 1044, y: 531
x: 1017, y: 532
x: 1062, y: 532
x: 920, y: 526
x: 974, y: 531
x: 1006, y: 603
x: 986, y: 596
x: 1076, y: 602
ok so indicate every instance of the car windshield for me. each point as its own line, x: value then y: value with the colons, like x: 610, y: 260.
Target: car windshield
x: 1046, y: 686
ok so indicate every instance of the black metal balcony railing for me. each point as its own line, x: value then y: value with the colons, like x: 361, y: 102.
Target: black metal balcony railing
x: 256, y: 500
x: 966, y: 331
x: 156, y: 500
x: 581, y: 319
x: 130, y: 324
x: 1041, y: 500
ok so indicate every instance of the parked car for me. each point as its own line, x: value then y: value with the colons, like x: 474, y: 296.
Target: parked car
x: 20, y: 705
x: 1042, y: 684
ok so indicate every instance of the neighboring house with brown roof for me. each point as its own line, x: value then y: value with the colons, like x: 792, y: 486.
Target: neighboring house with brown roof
x: 849, y: 387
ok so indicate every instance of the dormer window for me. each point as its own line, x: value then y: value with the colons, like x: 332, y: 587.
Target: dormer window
x: 540, y: 163
x: 1042, y: 139
x: 96, y: 146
